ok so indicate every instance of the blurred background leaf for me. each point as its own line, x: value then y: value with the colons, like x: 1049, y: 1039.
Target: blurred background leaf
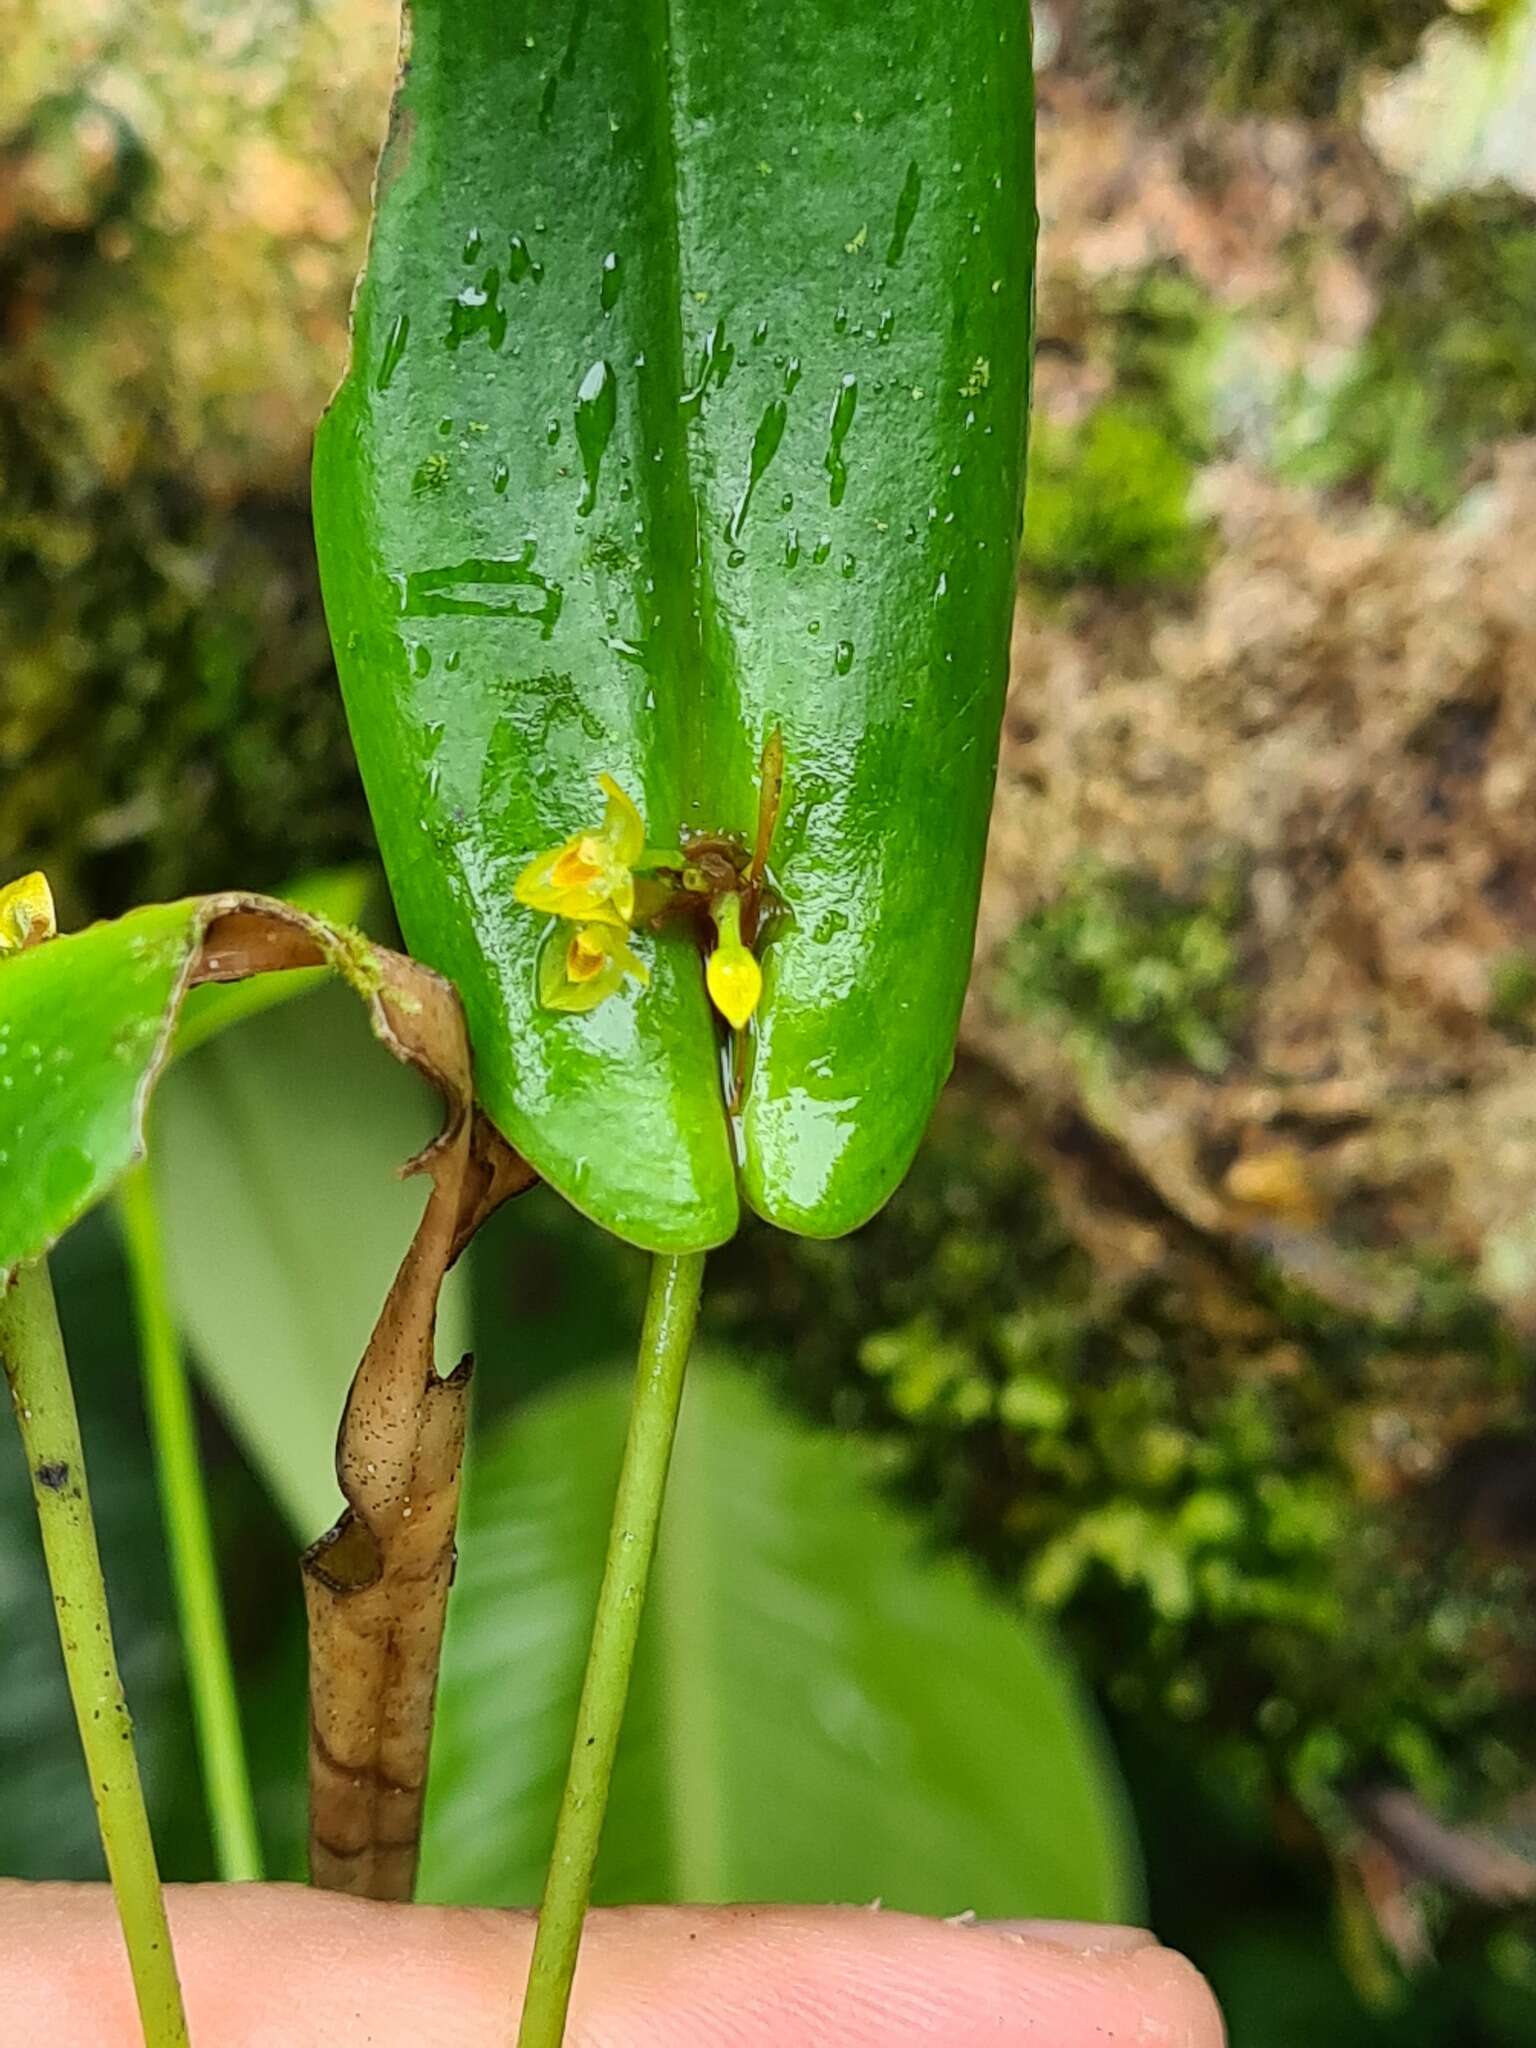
x: 820, y: 1711
x: 278, y: 1149
x: 47, y: 1827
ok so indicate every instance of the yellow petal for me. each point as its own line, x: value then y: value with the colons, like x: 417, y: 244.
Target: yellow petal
x: 552, y: 982
x: 623, y: 827
x: 578, y: 996
x: 581, y: 864
x: 559, y: 989
x: 633, y: 964
x: 566, y: 883
x: 586, y: 955
x: 538, y: 886
x: 26, y: 913
x: 620, y: 900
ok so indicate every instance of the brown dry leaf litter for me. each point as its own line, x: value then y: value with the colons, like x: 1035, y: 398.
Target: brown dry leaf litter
x: 1347, y: 716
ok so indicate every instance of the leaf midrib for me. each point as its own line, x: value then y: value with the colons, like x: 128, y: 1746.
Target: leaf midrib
x: 676, y: 553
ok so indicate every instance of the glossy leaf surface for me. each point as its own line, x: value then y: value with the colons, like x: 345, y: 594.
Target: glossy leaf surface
x: 85, y: 1022
x: 820, y: 1710
x: 686, y: 405
x: 88, y: 1021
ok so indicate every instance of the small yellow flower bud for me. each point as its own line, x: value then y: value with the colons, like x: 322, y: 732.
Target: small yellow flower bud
x: 732, y: 976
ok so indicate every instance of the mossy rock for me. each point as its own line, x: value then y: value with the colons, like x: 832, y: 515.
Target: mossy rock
x: 1449, y: 365
x: 171, y: 720
x: 1269, y: 56
x: 1109, y: 500
x: 174, y: 297
x: 1108, y: 504
x: 1132, y: 969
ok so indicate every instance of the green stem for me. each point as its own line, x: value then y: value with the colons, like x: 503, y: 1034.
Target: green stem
x: 35, y: 1366
x: 671, y: 1310
x: 189, y: 1538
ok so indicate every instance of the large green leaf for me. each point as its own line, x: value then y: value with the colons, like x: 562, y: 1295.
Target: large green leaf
x: 276, y: 1156
x: 819, y: 1710
x: 686, y: 404
x: 84, y: 1026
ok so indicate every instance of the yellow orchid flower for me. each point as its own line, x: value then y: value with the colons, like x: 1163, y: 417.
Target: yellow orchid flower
x: 582, y: 965
x: 732, y: 976
x: 590, y: 878
x: 26, y: 913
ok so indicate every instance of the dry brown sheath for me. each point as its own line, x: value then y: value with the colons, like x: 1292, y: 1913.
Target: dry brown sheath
x: 376, y: 1586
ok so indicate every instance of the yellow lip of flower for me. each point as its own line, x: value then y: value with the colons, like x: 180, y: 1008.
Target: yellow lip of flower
x: 732, y: 976
x: 26, y: 913
x: 589, y: 878
x: 582, y: 966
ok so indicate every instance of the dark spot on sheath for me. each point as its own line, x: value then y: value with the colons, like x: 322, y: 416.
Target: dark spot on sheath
x: 54, y: 1477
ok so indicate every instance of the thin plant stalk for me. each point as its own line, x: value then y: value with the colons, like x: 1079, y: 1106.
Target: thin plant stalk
x: 32, y: 1349
x: 189, y: 1537
x: 671, y: 1312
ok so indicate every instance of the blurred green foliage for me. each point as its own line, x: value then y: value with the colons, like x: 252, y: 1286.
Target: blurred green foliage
x: 1109, y: 503
x: 169, y: 720
x: 1449, y: 364
x: 1267, y: 56
x: 1109, y: 492
x: 254, y: 1136
x: 798, y: 1636
x: 1197, y: 1469
x: 47, y: 1825
x: 1132, y: 969
x: 1512, y: 996
x: 1199, y: 1472
x: 797, y: 1642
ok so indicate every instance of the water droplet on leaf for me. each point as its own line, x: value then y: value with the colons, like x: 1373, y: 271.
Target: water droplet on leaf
x: 844, y: 405
x: 394, y: 349
x: 597, y: 401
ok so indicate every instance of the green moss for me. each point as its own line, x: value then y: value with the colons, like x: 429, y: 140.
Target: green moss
x: 1450, y: 362
x: 1109, y: 494
x: 1512, y: 997
x: 170, y: 719
x: 1108, y: 504
x: 1164, y: 335
x: 1269, y: 56
x: 1131, y: 969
